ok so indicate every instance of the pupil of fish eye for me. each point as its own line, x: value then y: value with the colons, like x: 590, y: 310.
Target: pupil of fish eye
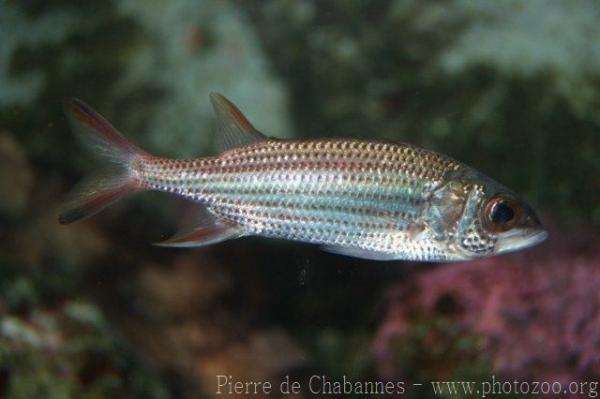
x: 502, y: 213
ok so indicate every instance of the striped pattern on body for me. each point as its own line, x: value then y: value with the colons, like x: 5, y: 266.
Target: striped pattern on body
x: 365, y: 199
x: 338, y: 192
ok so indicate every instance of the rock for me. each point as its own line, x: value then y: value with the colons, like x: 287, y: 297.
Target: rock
x: 186, y: 324
x: 149, y: 69
x: 22, y: 84
x: 69, y: 351
x: 190, y: 284
x: 188, y: 52
x: 543, y: 37
x: 261, y: 356
x: 42, y: 238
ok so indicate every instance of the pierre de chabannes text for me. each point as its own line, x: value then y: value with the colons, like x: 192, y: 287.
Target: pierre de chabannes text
x: 323, y: 385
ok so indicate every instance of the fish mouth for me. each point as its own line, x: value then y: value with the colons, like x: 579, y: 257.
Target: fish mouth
x: 520, y: 239
x: 535, y: 238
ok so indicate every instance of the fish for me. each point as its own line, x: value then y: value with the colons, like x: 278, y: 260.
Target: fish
x: 367, y: 199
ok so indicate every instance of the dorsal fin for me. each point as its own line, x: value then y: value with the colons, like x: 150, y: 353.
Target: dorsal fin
x: 233, y: 129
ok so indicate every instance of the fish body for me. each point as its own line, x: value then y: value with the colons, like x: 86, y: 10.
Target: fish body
x: 373, y: 200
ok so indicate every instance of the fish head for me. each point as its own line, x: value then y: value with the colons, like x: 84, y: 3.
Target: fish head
x: 490, y: 219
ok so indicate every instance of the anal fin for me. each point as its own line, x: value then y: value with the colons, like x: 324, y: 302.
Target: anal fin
x: 202, y: 236
x: 206, y: 230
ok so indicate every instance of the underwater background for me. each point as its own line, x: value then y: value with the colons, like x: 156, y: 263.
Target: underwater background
x: 93, y: 310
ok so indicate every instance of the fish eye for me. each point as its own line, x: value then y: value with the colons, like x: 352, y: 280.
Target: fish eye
x: 501, y: 213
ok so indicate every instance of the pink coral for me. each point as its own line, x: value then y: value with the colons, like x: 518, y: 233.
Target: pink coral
x: 539, y: 310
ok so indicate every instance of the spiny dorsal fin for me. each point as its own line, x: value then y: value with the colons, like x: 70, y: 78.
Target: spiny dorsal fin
x: 233, y: 129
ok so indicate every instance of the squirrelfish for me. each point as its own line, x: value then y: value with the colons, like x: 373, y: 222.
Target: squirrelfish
x: 368, y: 199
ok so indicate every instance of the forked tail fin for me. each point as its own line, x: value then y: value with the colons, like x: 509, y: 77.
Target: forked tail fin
x: 115, y: 180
